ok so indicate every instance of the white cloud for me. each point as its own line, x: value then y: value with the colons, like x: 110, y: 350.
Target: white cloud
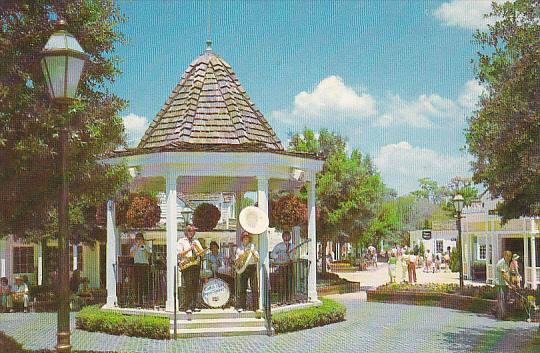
x: 401, y: 165
x: 329, y: 98
x: 467, y: 14
x: 470, y: 94
x: 134, y: 126
x: 418, y: 113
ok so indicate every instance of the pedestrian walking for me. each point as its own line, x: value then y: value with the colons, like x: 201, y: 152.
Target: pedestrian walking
x: 392, y: 264
x: 502, y: 278
x: 413, y: 261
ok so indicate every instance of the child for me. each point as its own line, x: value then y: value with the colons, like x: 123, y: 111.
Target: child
x: 515, y: 277
x: 5, y: 293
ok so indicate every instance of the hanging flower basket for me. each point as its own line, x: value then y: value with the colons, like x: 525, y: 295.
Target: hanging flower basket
x: 288, y: 211
x: 206, y: 217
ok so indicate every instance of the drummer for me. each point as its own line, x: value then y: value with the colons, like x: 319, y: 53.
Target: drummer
x: 216, y: 265
x: 214, y: 259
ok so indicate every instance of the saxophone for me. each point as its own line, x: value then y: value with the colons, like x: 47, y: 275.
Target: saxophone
x: 189, y: 261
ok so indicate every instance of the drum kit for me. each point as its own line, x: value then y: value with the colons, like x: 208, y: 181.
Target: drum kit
x: 216, y: 292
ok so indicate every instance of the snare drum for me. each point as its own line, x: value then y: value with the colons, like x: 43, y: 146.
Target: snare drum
x: 215, y: 293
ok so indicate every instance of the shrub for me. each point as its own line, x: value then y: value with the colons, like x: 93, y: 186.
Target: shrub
x: 93, y: 319
x: 300, y: 319
x: 206, y: 217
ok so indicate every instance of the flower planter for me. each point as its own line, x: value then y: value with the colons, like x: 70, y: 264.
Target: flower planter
x: 443, y: 300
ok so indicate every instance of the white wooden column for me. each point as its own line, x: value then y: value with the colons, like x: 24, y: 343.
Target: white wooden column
x: 526, y: 263
x: 39, y: 264
x: 262, y: 202
x: 312, y: 247
x: 75, y: 256
x: 111, y: 258
x: 238, y: 197
x: 172, y: 231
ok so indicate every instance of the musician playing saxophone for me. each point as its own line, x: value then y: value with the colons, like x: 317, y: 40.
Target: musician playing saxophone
x: 250, y: 273
x: 188, y: 249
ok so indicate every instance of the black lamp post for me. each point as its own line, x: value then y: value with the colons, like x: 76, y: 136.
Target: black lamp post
x: 62, y: 62
x: 459, y: 202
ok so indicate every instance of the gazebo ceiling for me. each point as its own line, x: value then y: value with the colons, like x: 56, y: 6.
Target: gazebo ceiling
x: 209, y: 110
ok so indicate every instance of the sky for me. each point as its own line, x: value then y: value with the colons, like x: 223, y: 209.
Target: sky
x: 394, y: 78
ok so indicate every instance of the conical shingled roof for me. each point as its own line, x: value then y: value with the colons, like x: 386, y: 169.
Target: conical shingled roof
x: 210, y: 110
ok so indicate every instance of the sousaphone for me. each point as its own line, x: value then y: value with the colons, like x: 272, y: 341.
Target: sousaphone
x: 254, y: 221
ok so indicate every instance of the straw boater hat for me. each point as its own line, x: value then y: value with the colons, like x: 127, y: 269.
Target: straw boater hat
x: 515, y: 257
x: 253, y: 220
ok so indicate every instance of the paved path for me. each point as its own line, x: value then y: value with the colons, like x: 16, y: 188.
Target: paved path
x: 370, y: 327
x: 375, y: 277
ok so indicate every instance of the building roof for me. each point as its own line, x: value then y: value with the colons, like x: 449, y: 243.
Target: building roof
x: 209, y: 108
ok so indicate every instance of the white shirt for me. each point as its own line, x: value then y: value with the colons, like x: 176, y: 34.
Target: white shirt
x: 281, y: 253
x: 184, y: 244
x: 241, y: 249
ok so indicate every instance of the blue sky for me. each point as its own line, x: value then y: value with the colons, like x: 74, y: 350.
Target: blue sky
x: 393, y: 77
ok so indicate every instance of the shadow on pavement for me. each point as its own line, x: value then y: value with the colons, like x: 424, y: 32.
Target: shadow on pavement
x: 500, y: 340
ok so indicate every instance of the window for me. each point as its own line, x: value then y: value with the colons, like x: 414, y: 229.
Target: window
x: 439, y: 247
x: 159, y: 253
x: 482, y: 252
x: 23, y: 259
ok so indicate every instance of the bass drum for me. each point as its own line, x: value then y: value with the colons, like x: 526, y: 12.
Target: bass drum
x: 216, y: 293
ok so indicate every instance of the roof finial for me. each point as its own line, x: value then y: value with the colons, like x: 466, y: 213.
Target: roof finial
x: 209, y: 41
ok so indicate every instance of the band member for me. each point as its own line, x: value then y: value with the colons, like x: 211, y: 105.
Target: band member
x: 283, y: 255
x: 242, y: 254
x: 187, y: 250
x: 140, y: 253
x: 213, y: 259
x: 19, y: 293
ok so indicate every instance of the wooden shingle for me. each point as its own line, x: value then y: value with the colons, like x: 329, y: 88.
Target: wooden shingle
x: 209, y: 107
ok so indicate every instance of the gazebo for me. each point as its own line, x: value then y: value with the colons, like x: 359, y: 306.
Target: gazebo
x: 210, y: 137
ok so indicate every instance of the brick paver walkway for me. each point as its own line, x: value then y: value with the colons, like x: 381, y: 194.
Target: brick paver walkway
x: 370, y: 327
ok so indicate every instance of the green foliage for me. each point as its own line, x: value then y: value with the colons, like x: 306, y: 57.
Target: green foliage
x: 93, y: 319
x: 454, y: 259
x: 349, y: 190
x: 206, y: 217
x: 482, y: 292
x: 29, y: 123
x: 503, y: 133
x: 329, y: 312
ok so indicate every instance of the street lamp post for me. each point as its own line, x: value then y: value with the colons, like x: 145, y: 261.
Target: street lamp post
x: 62, y: 62
x: 459, y: 202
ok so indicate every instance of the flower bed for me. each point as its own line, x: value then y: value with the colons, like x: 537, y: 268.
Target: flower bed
x: 478, y: 299
x: 329, y: 312
x: 93, y: 319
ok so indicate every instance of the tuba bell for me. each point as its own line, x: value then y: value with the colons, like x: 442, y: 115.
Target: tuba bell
x: 253, y: 220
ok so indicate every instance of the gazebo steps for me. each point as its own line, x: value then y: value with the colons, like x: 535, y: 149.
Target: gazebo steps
x: 220, y: 331
x: 207, y: 314
x: 214, y: 323
x: 220, y: 324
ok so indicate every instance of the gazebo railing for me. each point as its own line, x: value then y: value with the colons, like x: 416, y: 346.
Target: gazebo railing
x: 143, y: 286
x: 289, y: 282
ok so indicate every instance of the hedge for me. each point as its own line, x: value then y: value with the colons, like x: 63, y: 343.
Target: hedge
x: 93, y: 319
x: 329, y: 312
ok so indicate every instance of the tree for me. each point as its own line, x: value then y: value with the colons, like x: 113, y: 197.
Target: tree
x: 29, y: 123
x: 503, y: 134
x: 349, y: 190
